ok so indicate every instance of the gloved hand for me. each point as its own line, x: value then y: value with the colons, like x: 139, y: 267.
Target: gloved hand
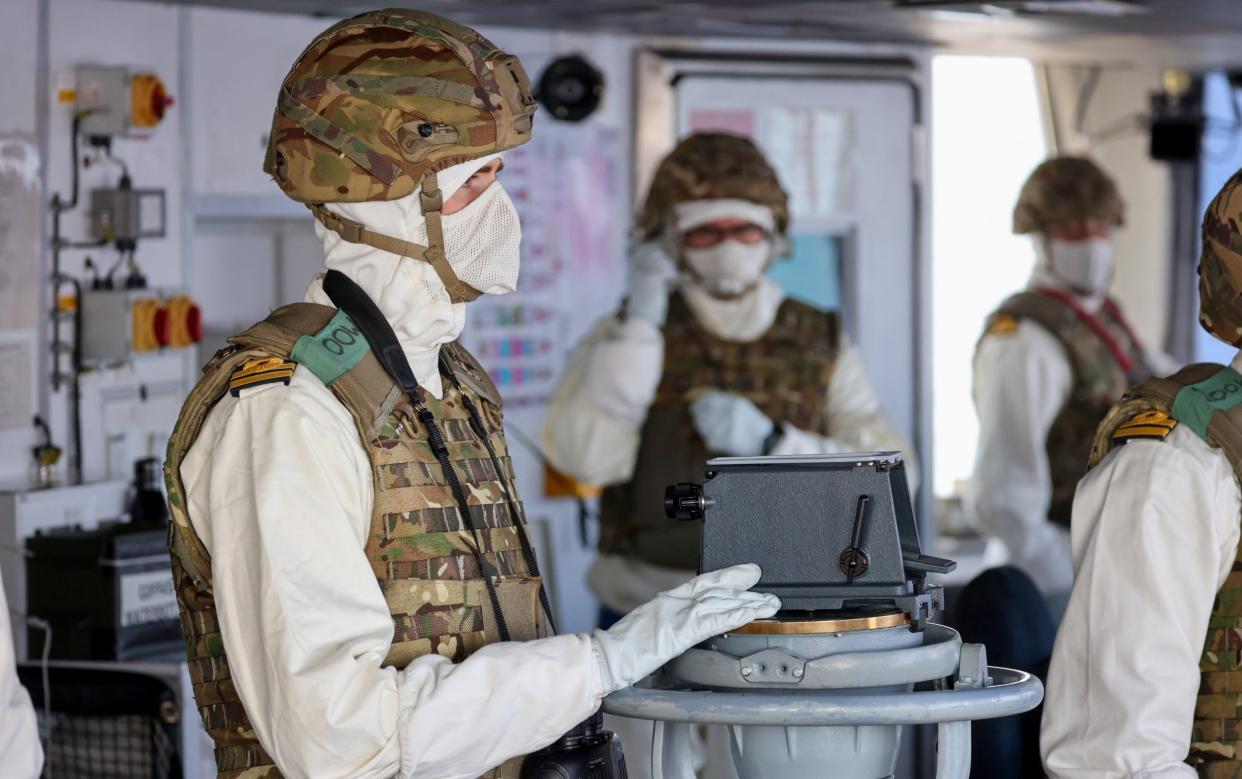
x: 649, y: 280
x: 730, y: 424
x: 677, y: 620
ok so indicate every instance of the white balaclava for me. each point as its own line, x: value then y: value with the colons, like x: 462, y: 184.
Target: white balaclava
x: 481, y: 244
x: 725, y: 286
x: 1086, y: 267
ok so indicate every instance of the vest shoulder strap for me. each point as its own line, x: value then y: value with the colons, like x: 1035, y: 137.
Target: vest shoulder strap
x: 1049, y: 313
x: 328, y: 344
x: 319, y: 337
x: 1205, y: 397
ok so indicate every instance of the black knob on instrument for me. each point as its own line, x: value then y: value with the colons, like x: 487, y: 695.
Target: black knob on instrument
x: 684, y: 501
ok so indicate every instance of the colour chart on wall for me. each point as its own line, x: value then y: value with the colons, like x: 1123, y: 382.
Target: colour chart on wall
x: 565, y: 185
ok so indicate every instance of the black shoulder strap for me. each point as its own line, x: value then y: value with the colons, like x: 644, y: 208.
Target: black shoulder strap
x: 350, y: 298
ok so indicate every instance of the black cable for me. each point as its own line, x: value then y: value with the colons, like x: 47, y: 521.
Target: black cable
x: 75, y: 387
x: 73, y: 147
x: 350, y: 298
x: 59, y: 207
x: 515, y: 514
x: 440, y: 450
x: 107, y: 277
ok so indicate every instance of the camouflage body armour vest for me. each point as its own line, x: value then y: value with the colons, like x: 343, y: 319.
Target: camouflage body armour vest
x: 1207, y: 399
x: 419, y: 548
x: 785, y: 372
x: 1099, y: 379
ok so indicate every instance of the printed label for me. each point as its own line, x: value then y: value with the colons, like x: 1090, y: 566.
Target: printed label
x: 147, y: 597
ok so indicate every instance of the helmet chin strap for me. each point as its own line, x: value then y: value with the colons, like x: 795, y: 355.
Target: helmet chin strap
x: 432, y: 204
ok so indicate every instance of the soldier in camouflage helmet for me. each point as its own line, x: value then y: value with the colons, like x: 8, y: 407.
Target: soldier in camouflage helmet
x: 1065, y: 192
x: 1052, y: 360
x: 1152, y: 690
x: 706, y: 356
x: 357, y: 585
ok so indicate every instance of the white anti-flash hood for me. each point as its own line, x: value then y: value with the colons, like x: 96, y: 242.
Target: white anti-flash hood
x: 407, y: 291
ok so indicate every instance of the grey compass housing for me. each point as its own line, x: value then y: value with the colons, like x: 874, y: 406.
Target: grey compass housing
x: 832, y: 533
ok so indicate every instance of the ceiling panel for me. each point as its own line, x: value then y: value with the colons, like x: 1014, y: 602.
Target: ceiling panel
x: 1160, y: 32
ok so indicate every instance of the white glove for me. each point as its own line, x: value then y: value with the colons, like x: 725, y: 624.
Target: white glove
x: 650, y: 276
x: 677, y: 620
x: 730, y: 424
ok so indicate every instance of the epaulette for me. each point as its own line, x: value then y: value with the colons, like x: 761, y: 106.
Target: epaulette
x: 263, y: 370
x: 1149, y: 425
x: 1003, y: 324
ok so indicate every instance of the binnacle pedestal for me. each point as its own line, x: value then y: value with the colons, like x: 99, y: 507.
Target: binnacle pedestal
x: 825, y: 688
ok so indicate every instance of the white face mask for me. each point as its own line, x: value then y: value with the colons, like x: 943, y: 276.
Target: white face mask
x: 1087, y: 266
x: 482, y: 242
x: 730, y: 268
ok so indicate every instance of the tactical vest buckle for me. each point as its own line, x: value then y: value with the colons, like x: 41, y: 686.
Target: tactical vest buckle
x: 431, y: 201
x: 350, y: 230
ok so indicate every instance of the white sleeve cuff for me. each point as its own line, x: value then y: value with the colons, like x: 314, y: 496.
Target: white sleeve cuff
x: 601, y: 683
x: 458, y: 721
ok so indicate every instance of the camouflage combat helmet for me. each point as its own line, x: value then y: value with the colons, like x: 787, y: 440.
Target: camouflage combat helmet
x: 1220, y: 265
x: 712, y: 166
x: 377, y: 104
x: 1065, y: 190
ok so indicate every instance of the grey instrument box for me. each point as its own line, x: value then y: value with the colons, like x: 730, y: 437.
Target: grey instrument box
x: 831, y: 532
x: 127, y: 214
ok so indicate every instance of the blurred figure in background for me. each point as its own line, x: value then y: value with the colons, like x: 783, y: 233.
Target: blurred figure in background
x: 1144, y: 679
x: 1052, y: 360
x: 706, y: 357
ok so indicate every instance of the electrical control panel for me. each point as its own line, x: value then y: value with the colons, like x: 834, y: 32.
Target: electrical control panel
x: 125, y: 214
x: 115, y: 102
x: 118, y: 324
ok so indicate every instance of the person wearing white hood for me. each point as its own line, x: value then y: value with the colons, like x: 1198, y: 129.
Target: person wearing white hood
x: 357, y: 588
x: 707, y: 356
x: 1051, y: 362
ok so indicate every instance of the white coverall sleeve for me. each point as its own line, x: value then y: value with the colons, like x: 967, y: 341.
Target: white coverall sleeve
x: 1021, y: 382
x: 594, y: 421
x: 1155, y: 534
x: 855, y: 418
x: 21, y: 754
x: 281, y: 489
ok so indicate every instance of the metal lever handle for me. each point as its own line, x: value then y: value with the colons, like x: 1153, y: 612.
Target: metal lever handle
x: 922, y: 563
x: 854, y: 561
